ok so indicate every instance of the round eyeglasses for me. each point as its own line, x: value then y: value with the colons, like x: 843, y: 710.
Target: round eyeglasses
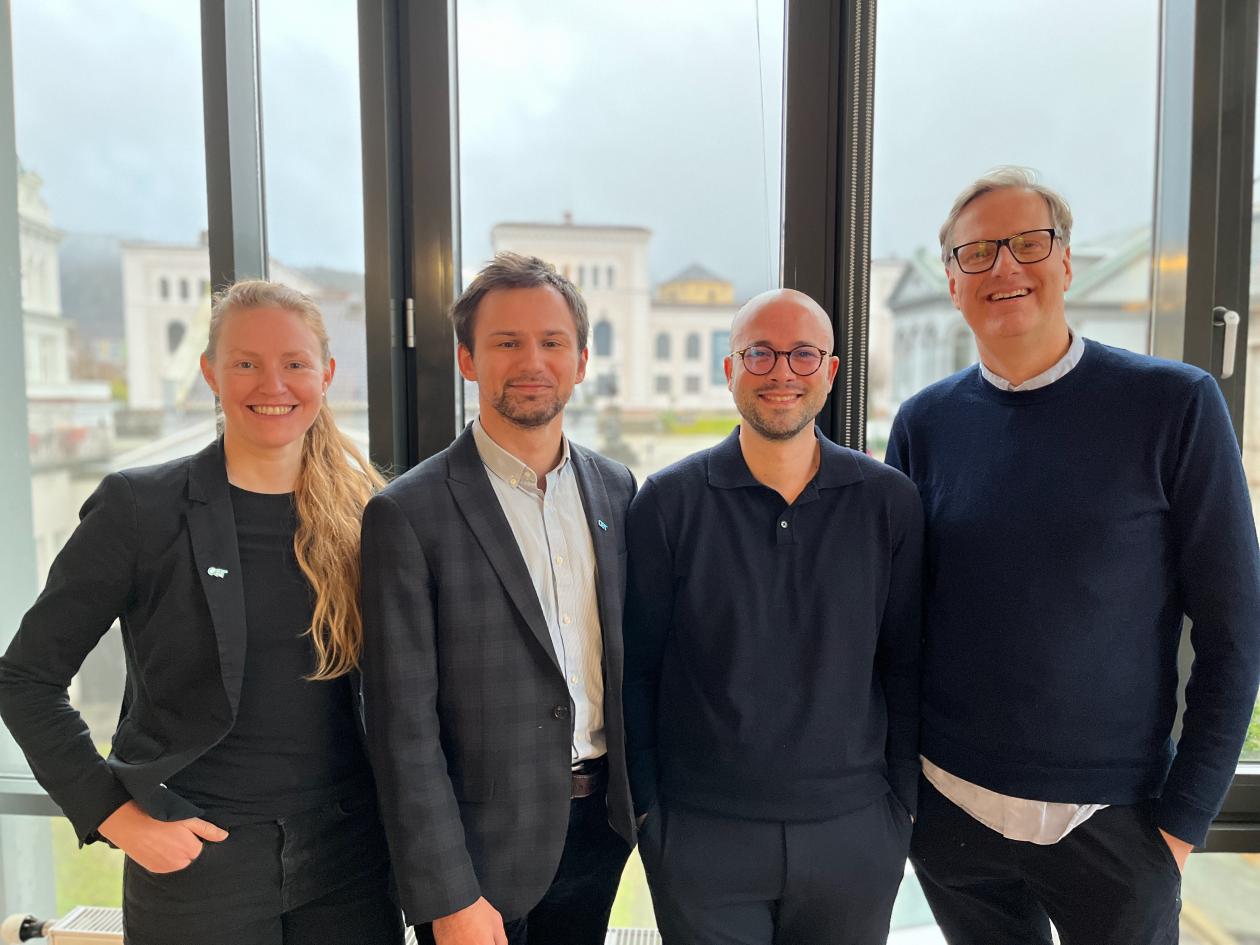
x: 803, y: 360
x: 1031, y: 246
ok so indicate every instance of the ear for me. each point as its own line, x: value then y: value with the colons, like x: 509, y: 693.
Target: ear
x: 329, y: 373
x: 727, y: 367
x: 466, y: 367
x: 833, y: 368
x: 953, y: 288
x: 581, y: 371
x: 207, y: 371
x: 1067, y: 268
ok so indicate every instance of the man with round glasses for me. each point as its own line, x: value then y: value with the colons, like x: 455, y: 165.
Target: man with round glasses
x: 1080, y: 499
x: 771, y: 679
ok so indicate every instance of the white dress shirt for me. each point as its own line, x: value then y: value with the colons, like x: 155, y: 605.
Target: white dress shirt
x: 553, y: 537
x: 1018, y: 818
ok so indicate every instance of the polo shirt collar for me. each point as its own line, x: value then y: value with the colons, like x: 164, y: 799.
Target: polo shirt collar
x: 837, y: 466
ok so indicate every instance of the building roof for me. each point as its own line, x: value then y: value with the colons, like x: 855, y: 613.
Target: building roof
x: 695, y: 273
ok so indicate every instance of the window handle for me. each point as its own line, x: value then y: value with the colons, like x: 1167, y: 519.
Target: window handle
x: 1229, y: 319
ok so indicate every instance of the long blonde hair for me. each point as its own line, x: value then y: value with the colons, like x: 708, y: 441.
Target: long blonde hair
x: 333, y: 485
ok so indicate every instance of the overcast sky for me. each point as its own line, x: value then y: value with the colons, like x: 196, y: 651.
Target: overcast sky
x: 654, y: 113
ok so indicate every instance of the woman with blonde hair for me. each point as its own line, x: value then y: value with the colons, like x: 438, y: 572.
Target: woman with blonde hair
x: 237, y: 784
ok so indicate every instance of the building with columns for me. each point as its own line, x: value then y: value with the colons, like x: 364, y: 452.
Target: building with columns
x: 653, y: 350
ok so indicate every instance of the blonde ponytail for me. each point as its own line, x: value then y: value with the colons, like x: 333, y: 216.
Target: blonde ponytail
x: 330, y: 495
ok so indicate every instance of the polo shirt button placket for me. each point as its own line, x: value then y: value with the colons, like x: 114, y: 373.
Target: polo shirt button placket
x: 783, y: 534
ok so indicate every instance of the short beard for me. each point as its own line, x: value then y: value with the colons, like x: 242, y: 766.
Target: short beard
x: 526, y: 418
x: 770, y: 433
x: 747, y: 405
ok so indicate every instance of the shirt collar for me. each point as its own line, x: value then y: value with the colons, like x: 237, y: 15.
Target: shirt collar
x: 1047, y: 377
x: 501, y: 463
x: 727, y: 469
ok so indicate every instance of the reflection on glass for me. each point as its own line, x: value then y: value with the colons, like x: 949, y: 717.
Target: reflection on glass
x: 115, y: 301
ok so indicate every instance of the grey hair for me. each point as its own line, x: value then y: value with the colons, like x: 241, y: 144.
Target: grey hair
x: 514, y: 271
x: 1007, y: 177
x: 258, y: 293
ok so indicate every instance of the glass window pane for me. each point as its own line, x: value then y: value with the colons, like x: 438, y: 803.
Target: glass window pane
x: 1251, y: 404
x: 115, y: 306
x: 312, y: 152
x: 637, y: 148
x: 1108, y: 94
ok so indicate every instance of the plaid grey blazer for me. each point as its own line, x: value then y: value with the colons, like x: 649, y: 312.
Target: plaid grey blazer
x: 469, y: 721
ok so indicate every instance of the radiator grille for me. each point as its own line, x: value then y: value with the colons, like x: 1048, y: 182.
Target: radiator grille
x: 87, y: 925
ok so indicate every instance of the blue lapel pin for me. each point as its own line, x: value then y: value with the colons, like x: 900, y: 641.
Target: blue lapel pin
x: 600, y: 523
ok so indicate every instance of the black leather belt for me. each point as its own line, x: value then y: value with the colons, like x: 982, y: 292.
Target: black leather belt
x: 589, y: 777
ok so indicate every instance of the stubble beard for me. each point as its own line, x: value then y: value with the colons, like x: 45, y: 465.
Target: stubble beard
x: 526, y: 415
x: 810, y: 406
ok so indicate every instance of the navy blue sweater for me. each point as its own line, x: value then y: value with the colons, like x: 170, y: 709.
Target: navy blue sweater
x: 772, y: 650
x: 1068, y: 530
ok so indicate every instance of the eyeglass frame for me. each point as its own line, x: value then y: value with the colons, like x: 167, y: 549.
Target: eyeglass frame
x: 1007, y: 243
x: 823, y: 354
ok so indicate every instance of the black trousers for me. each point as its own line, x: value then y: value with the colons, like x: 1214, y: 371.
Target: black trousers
x: 1111, y: 881
x: 318, y: 878
x: 720, y: 881
x: 576, y: 907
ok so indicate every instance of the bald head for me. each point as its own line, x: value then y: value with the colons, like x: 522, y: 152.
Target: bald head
x: 773, y: 306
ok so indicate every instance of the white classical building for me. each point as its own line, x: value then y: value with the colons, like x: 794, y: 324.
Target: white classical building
x: 652, y: 352
x: 166, y: 309
x: 1109, y: 301
x: 70, y: 422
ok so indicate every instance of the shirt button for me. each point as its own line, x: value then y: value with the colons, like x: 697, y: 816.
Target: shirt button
x: 561, y: 711
x: 573, y: 679
x: 559, y: 559
x: 783, y: 524
x: 511, y: 482
x: 566, y: 619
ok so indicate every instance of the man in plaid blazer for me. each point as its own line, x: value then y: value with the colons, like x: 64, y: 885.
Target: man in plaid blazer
x: 493, y: 578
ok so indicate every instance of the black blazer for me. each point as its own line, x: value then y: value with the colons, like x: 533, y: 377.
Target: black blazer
x: 469, y: 720
x: 156, y: 549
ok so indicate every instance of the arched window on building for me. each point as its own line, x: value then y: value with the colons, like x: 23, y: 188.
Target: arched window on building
x: 693, y: 347
x: 175, y: 332
x: 662, y: 346
x: 164, y: 288
x: 603, y: 339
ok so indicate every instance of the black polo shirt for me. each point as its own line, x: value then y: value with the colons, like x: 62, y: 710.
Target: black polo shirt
x: 772, y: 649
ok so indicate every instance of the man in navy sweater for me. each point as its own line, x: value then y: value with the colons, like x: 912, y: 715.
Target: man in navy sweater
x: 771, y: 679
x: 1079, y: 500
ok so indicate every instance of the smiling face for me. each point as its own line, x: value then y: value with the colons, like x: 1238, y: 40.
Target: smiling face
x: 1013, y: 303
x: 269, y: 376
x: 780, y: 405
x: 525, y: 356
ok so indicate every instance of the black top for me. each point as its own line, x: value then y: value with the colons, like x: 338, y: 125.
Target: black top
x: 294, y: 744
x: 771, y: 649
